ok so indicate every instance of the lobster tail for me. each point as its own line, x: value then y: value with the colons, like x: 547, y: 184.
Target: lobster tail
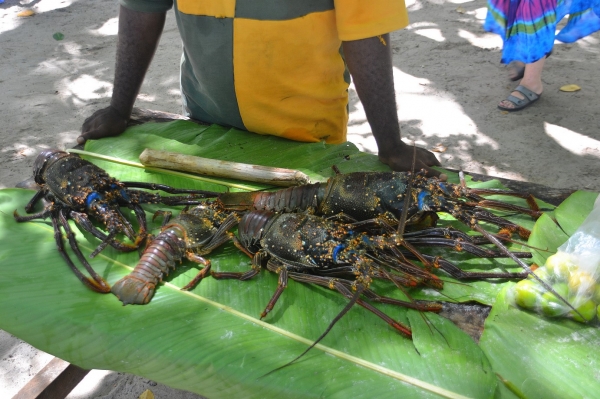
x: 292, y: 199
x: 133, y: 290
x: 157, y: 260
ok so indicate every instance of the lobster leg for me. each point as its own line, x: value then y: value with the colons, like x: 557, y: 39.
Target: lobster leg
x: 84, y: 222
x: 460, y: 274
x: 459, y: 245
x: 40, y: 215
x: 221, y: 236
x: 257, y: 261
x: 109, y: 238
x: 491, y: 204
x: 486, y: 216
x: 475, y: 193
x: 462, y: 242
x: 410, y: 274
x: 452, y: 269
x: 112, y: 217
x: 166, y: 216
x: 525, y: 267
x: 97, y: 283
x: 281, y: 270
x: 342, y: 289
x: 123, y: 224
x: 446, y: 232
x: 201, y: 274
x: 422, y: 306
x: 142, y: 223
x: 36, y: 197
x: 353, y: 300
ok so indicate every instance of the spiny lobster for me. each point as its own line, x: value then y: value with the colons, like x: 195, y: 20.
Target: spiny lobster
x: 79, y: 190
x: 406, y: 199
x: 342, y: 256
x: 381, y: 195
x: 193, y: 233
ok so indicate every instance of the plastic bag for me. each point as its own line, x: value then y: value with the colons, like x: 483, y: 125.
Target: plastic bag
x: 573, y: 272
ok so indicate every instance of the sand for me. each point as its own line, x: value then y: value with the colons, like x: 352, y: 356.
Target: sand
x: 448, y: 81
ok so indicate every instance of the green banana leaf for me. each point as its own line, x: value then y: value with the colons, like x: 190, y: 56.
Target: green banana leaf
x: 210, y: 340
x: 538, y: 357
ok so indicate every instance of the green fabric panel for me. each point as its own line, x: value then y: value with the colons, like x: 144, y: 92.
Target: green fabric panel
x: 207, y: 81
x: 279, y: 10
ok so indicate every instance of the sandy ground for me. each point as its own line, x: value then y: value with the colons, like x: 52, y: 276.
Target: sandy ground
x: 448, y: 81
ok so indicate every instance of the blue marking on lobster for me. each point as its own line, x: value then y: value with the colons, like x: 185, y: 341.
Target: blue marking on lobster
x: 421, y: 200
x: 91, y: 198
x: 444, y: 188
x: 337, y: 250
x: 122, y: 191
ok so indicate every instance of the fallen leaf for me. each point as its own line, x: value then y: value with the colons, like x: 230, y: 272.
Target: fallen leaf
x: 58, y: 36
x: 439, y: 148
x: 461, y: 10
x: 147, y: 394
x: 570, y: 88
x: 25, y: 13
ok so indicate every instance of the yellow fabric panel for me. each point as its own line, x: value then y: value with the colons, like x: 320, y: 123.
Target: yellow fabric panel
x: 360, y: 19
x: 211, y: 8
x: 289, y: 77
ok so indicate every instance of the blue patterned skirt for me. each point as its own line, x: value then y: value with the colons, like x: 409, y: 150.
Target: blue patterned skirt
x: 528, y: 27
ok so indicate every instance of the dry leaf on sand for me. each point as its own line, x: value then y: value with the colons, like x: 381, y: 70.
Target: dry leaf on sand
x: 570, y: 88
x: 25, y: 13
x: 147, y: 394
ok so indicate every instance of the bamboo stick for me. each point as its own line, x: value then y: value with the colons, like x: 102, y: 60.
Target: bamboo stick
x: 215, y: 167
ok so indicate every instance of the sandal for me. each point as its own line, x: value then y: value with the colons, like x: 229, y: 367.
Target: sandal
x: 521, y: 103
x: 518, y: 68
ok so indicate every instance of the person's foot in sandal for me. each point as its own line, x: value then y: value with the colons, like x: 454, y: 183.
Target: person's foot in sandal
x: 529, y: 90
x: 520, y: 98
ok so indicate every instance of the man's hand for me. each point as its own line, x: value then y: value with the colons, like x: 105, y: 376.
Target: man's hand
x: 370, y: 64
x: 401, y: 160
x: 139, y: 34
x: 103, y: 123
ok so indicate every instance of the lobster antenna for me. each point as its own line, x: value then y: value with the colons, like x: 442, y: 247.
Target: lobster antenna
x: 403, y: 216
x: 524, y: 265
x: 353, y: 300
x: 509, y: 239
x: 414, y: 161
x: 430, y: 325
